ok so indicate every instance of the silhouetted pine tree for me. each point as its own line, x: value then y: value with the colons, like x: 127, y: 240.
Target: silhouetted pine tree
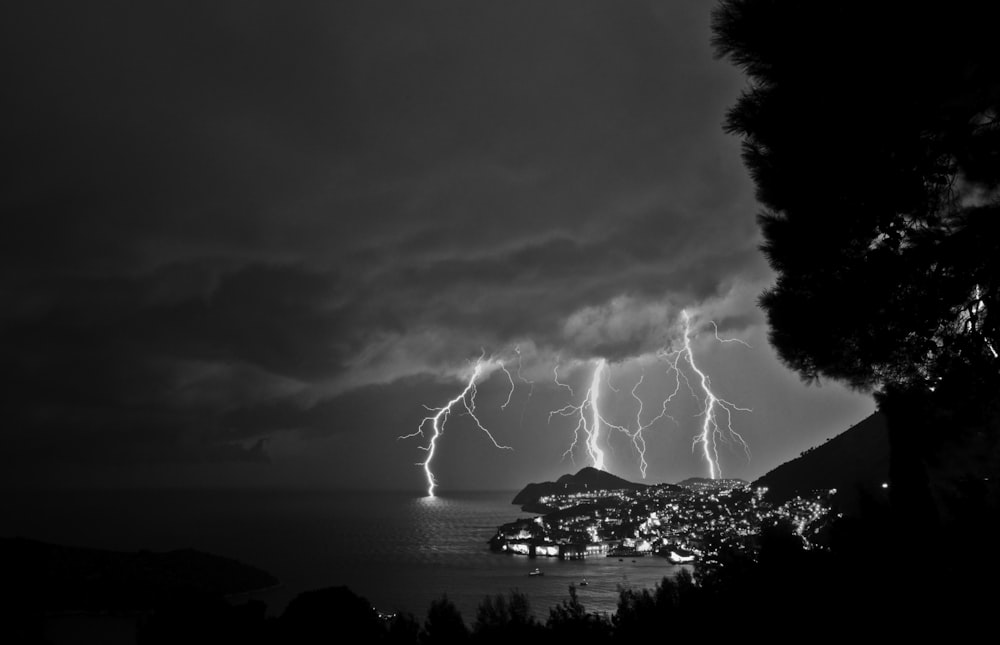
x: 872, y: 133
x: 444, y: 624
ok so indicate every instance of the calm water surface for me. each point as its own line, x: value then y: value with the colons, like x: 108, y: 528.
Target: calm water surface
x: 399, y: 550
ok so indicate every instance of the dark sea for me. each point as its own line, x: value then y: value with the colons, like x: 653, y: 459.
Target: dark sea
x: 399, y: 550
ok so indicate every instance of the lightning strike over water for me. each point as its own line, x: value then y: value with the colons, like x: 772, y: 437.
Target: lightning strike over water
x: 716, y: 413
x: 439, y: 418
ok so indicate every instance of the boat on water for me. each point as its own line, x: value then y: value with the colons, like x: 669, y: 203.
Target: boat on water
x: 584, y: 583
x: 536, y: 572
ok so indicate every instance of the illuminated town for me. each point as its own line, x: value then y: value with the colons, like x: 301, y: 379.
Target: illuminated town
x: 688, y: 523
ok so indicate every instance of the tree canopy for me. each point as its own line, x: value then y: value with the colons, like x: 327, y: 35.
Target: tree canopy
x: 871, y: 132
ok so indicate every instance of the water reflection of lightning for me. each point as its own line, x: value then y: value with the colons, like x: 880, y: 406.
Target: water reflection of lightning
x: 439, y: 418
x: 713, y: 428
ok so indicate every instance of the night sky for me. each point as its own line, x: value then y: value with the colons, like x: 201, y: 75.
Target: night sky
x: 244, y: 242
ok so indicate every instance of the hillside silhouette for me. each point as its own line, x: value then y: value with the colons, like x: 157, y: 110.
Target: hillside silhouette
x: 855, y: 462
x: 585, y: 479
x: 56, y: 578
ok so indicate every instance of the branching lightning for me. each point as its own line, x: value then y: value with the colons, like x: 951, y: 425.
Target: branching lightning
x: 713, y: 429
x: 555, y: 376
x: 716, y: 413
x: 579, y: 411
x: 509, y: 378
x: 728, y: 340
x: 589, y: 419
x: 611, y: 386
x: 638, y: 440
x: 594, y: 432
x: 528, y: 382
x: 439, y: 418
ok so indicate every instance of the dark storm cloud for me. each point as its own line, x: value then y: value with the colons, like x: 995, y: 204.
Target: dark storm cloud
x: 529, y: 290
x: 226, y: 219
x: 394, y: 407
x: 147, y: 366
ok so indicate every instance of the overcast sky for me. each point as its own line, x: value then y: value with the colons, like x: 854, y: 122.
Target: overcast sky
x: 245, y: 243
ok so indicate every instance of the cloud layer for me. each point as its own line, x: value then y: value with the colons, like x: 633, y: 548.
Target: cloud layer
x: 238, y: 220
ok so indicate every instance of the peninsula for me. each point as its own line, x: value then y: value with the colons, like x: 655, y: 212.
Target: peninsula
x: 595, y: 513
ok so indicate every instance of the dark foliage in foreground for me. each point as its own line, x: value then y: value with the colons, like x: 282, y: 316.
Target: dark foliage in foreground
x: 67, y: 578
x: 872, y: 133
x: 868, y: 582
x: 865, y: 584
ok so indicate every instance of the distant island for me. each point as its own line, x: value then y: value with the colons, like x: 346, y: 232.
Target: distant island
x: 587, y: 479
x: 55, y: 578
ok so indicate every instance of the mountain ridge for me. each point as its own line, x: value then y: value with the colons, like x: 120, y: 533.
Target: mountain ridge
x: 587, y: 478
x: 56, y: 577
x: 855, y: 462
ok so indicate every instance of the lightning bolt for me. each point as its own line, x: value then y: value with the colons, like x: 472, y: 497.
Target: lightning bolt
x: 713, y: 428
x: 555, y: 376
x: 611, y: 386
x: 439, y: 418
x: 716, y: 412
x: 517, y: 350
x: 509, y: 378
x: 637, y: 439
x: 528, y: 382
x: 594, y: 432
x: 728, y: 340
x: 589, y: 419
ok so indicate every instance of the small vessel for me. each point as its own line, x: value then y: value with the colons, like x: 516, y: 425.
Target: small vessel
x: 584, y: 583
x: 536, y: 572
